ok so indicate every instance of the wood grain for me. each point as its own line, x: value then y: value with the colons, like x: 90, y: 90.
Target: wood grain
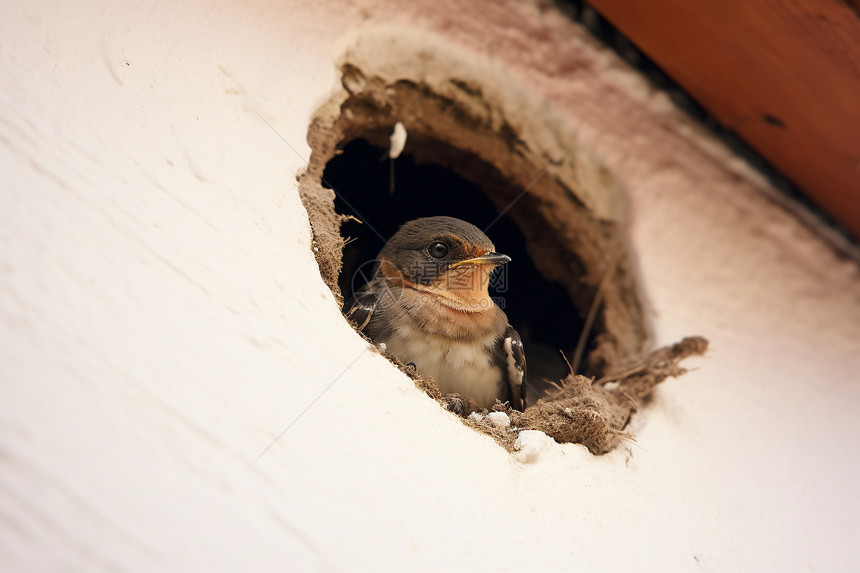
x: 785, y: 76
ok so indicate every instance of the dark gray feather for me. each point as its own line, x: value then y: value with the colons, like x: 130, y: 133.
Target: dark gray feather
x: 359, y: 310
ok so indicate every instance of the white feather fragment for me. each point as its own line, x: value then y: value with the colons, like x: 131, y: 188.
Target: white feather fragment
x: 397, y: 141
x: 499, y: 419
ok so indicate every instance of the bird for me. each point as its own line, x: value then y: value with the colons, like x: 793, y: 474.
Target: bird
x: 428, y: 303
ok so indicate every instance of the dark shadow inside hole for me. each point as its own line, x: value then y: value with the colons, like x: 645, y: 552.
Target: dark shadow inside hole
x: 539, y: 309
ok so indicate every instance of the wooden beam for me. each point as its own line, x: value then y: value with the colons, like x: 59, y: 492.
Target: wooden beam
x: 784, y: 75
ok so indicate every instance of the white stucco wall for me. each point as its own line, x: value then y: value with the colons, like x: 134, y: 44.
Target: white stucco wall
x: 162, y: 320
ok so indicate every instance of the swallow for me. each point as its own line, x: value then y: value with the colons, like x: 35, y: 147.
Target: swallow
x: 428, y: 302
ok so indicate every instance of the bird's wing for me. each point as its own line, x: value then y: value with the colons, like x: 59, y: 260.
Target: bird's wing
x: 514, y: 367
x: 360, y: 308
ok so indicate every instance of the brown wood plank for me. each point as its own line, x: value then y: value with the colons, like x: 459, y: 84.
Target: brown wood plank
x: 783, y: 75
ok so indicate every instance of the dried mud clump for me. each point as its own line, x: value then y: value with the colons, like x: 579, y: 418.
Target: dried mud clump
x: 595, y: 412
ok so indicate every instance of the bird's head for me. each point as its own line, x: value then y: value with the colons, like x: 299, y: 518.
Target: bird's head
x: 443, y: 256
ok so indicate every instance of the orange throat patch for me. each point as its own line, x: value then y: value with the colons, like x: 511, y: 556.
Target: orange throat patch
x: 464, y: 288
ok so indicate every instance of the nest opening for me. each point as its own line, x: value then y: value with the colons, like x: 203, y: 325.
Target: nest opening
x: 539, y: 308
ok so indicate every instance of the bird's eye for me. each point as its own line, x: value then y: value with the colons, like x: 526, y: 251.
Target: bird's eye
x: 438, y: 250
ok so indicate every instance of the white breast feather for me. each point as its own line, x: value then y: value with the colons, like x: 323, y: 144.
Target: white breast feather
x: 457, y: 367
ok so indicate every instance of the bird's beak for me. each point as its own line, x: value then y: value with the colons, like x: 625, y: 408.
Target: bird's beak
x: 494, y: 259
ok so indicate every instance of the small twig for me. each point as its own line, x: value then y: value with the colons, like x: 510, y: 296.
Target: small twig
x: 632, y: 400
x: 566, y: 361
x: 592, y: 312
x: 623, y: 375
x: 548, y: 381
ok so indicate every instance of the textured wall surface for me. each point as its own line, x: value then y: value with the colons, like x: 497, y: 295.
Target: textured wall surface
x: 162, y: 320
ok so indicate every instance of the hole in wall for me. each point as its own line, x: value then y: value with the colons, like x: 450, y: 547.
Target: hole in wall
x: 477, y: 147
x: 568, y: 221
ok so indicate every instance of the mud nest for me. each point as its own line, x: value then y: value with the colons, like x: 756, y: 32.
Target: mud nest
x: 570, y: 208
